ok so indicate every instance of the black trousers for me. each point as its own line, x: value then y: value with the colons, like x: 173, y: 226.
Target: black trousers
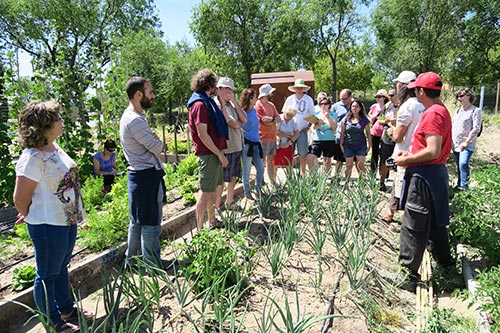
x: 375, y: 153
x: 419, y: 227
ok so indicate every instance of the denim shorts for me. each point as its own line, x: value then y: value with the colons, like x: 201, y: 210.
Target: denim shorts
x: 233, y: 168
x: 302, y: 144
x: 351, y: 152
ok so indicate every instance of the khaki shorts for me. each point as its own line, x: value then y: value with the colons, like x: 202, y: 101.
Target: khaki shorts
x: 210, y: 172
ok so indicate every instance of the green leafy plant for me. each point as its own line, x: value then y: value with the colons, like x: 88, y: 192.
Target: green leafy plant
x: 23, y: 277
x: 215, y: 253
x: 445, y: 321
x: 489, y: 294
x: 475, y: 219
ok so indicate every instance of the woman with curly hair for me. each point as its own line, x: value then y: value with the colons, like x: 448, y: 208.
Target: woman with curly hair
x: 47, y: 196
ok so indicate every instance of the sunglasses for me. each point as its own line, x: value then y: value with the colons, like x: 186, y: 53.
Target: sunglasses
x: 379, y: 96
x: 324, y: 104
x: 460, y: 96
x: 391, y: 95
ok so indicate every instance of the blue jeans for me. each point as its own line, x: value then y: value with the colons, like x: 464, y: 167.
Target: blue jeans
x: 145, y: 239
x: 53, y: 251
x: 247, y: 164
x: 462, y: 159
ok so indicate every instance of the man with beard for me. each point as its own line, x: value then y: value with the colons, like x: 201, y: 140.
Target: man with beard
x: 146, y: 189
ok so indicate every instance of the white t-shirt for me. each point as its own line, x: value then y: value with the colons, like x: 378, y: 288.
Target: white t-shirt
x: 287, y: 128
x: 304, y: 106
x: 409, y: 115
x: 57, y: 198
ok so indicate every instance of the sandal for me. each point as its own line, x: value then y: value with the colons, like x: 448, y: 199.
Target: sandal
x: 73, y: 315
x: 388, y: 218
x: 64, y: 327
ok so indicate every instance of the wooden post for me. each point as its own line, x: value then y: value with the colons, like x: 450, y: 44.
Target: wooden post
x: 498, y: 97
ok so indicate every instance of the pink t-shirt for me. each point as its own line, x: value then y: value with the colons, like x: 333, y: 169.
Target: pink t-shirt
x: 436, y: 120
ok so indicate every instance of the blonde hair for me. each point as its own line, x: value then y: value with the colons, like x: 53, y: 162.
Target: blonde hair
x: 291, y: 111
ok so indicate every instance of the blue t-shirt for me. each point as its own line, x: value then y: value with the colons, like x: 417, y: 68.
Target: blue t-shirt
x: 340, y: 110
x: 355, y: 133
x: 251, y: 127
x: 324, y: 132
x: 105, y: 166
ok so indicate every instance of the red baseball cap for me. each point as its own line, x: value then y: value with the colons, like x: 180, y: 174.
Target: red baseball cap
x: 429, y: 80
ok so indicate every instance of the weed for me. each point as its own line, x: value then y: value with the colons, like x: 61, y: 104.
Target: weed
x: 445, y: 321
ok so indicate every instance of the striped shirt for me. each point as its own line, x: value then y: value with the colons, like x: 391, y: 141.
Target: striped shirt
x: 141, y: 147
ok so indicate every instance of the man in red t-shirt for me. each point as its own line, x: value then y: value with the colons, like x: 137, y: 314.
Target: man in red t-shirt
x: 209, y: 133
x: 425, y: 190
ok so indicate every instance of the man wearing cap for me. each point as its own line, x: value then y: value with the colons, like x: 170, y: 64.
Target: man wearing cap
x: 305, y: 107
x: 408, y: 116
x: 340, y: 108
x: 425, y: 187
x: 209, y: 132
x: 236, y: 117
x: 268, y: 118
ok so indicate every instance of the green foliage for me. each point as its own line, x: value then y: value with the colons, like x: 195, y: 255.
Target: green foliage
x: 188, y: 166
x: 417, y: 35
x: 181, y: 147
x: 7, y: 170
x: 445, y: 321
x: 475, y: 219
x: 245, y: 37
x: 108, y: 225
x: 21, y: 231
x: 92, y: 192
x: 23, y: 277
x: 489, y: 294
x: 216, y: 253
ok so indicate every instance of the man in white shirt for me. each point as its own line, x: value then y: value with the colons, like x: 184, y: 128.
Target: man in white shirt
x: 305, y: 107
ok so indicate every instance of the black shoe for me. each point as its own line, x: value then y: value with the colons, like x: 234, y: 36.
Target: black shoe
x: 383, y: 188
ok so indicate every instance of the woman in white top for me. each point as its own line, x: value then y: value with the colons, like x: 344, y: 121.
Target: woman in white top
x: 48, y: 198
x: 466, y: 126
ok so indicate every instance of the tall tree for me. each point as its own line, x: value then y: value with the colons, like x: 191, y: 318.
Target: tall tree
x: 333, y: 22
x: 479, y: 54
x: 417, y: 34
x: 70, y: 43
x: 251, y: 36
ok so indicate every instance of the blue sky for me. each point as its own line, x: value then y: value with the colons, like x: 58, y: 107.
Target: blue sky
x: 175, y: 16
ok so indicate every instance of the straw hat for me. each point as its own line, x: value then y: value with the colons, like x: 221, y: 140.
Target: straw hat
x: 299, y: 83
x: 381, y: 92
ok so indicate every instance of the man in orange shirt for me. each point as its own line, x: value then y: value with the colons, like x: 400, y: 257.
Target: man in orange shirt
x: 268, y: 118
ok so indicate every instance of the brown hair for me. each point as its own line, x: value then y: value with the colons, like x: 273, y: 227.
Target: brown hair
x: 245, y: 98
x: 35, y: 120
x: 203, y: 80
x: 466, y: 92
